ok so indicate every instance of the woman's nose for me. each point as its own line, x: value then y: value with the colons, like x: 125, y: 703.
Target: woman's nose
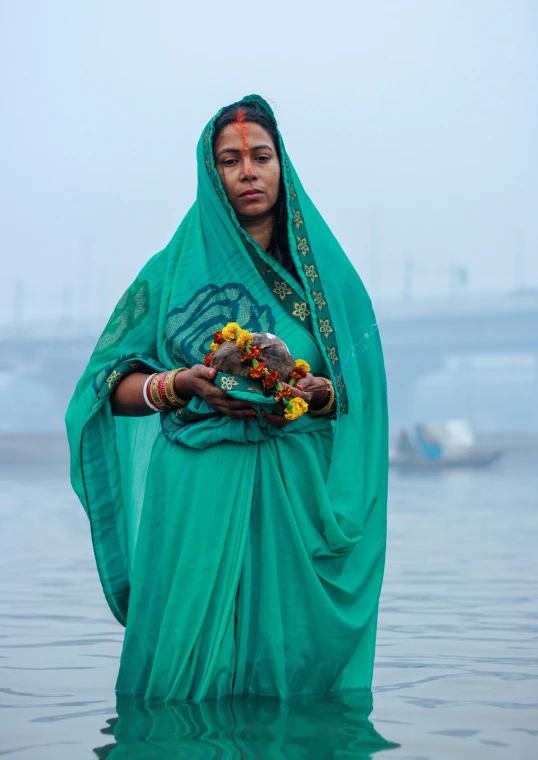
x: 247, y: 171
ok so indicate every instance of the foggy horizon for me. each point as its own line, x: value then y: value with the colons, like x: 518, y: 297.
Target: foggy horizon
x: 410, y: 124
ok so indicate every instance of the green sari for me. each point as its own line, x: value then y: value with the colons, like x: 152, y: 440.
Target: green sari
x: 241, y: 558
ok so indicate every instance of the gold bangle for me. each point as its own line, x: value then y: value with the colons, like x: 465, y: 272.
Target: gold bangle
x: 170, y: 390
x: 330, y: 403
x: 154, y: 393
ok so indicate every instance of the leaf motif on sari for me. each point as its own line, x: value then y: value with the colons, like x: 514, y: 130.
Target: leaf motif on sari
x: 310, y: 272
x: 297, y: 219
x: 302, y: 246
x: 113, y: 380
x: 332, y: 355
x: 131, y: 309
x: 325, y: 327
x: 319, y: 301
x: 228, y: 383
x: 301, y: 310
x: 189, y: 328
x: 282, y: 289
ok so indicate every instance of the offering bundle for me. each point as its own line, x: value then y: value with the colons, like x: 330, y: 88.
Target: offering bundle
x: 263, y: 358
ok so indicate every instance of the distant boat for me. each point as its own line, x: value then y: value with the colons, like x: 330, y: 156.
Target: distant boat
x: 439, y: 446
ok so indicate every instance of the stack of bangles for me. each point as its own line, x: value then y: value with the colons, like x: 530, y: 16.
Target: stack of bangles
x: 330, y: 406
x: 159, y: 391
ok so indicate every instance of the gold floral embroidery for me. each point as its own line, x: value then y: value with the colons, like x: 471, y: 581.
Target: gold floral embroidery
x: 318, y: 299
x: 282, y: 290
x: 332, y: 355
x: 340, y: 384
x: 325, y: 327
x: 208, y: 163
x: 302, y: 246
x: 218, y: 190
x: 178, y: 411
x: 228, y: 383
x: 297, y: 219
x: 310, y: 272
x: 301, y: 310
x: 206, y: 136
x: 293, y: 194
x: 113, y: 379
x: 263, y: 268
x: 255, y: 390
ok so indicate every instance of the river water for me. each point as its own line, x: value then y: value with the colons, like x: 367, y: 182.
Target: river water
x: 457, y: 658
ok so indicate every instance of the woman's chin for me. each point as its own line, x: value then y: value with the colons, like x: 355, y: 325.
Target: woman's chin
x: 253, y: 210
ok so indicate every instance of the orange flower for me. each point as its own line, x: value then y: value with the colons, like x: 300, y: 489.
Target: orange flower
x: 258, y: 371
x: 302, y: 364
x: 218, y: 337
x: 284, y: 393
x: 298, y: 373
x: 270, y: 379
x: 254, y: 353
x: 207, y: 360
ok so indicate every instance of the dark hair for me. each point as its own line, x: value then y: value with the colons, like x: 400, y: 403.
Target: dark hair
x: 279, y: 246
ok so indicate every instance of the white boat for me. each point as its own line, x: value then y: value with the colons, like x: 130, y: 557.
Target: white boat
x: 440, y: 445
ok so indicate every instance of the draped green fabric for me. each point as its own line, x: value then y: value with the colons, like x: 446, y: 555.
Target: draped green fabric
x: 241, y: 558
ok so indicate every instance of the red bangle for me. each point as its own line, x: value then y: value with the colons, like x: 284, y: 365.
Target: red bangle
x: 161, y: 389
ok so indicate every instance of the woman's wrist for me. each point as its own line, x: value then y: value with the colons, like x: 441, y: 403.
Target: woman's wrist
x: 183, y: 385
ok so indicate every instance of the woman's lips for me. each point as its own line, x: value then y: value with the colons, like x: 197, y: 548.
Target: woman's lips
x: 251, y: 195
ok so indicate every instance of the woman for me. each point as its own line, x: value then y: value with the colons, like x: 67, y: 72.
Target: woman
x: 243, y: 551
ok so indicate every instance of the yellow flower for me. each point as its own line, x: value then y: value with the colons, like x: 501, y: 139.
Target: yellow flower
x: 302, y: 364
x: 243, y: 337
x: 228, y: 333
x: 214, y: 347
x: 297, y: 407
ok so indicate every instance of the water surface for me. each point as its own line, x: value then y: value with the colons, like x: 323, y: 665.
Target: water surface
x: 457, y: 659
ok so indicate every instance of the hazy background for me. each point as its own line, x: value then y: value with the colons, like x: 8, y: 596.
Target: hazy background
x: 412, y: 125
x: 410, y: 122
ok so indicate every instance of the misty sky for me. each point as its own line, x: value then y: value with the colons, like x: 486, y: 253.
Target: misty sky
x: 412, y: 124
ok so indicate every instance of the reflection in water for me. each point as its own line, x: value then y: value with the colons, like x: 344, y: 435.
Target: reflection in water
x: 246, y: 727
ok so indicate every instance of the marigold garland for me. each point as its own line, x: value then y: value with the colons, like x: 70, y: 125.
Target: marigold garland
x: 270, y: 380
x: 294, y: 407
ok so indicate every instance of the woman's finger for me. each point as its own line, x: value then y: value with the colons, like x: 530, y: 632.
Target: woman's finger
x: 237, y: 403
x: 277, y: 420
x: 242, y: 414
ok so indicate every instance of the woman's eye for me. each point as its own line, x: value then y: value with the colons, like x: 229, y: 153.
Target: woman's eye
x: 262, y: 159
x: 229, y: 161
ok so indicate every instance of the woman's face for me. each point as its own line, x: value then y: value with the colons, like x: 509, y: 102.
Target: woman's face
x: 249, y: 168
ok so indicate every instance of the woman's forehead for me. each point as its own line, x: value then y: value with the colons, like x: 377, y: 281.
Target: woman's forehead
x: 255, y: 134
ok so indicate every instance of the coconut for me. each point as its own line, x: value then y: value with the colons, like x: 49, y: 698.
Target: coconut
x: 275, y: 354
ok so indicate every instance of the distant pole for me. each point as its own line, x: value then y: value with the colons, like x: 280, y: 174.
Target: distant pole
x: 458, y: 276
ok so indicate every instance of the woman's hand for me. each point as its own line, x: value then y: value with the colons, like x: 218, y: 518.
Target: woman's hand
x: 200, y: 381
x: 316, y: 391
x: 312, y: 389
